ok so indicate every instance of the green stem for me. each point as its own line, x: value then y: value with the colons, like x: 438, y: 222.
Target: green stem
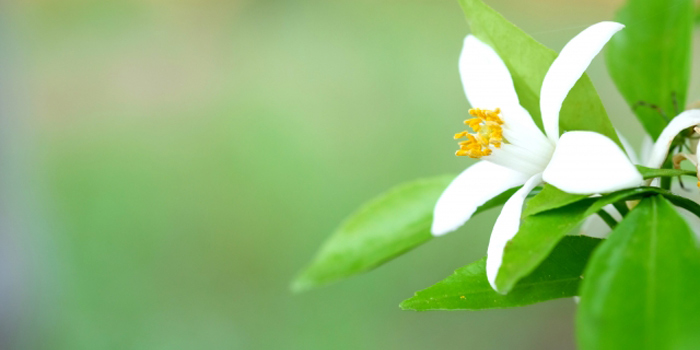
x: 607, y: 218
x: 668, y: 164
x: 621, y: 207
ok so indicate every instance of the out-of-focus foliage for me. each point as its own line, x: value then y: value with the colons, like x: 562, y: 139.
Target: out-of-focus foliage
x: 650, y: 59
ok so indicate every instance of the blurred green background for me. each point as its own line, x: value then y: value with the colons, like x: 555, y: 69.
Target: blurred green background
x: 168, y: 167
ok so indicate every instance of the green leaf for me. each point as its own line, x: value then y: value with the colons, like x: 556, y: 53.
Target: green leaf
x: 641, y: 286
x: 539, y: 233
x: 550, y: 198
x: 650, y: 59
x: 642, y: 192
x: 537, y: 236
x: 384, y: 228
x: 650, y: 173
x: 468, y: 288
x: 528, y: 61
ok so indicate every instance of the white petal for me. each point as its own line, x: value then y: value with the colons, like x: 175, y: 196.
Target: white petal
x: 567, y: 68
x: 523, y: 160
x: 595, y: 227
x: 488, y: 84
x: 506, y: 227
x: 663, y: 143
x: 586, y: 162
x: 472, y: 188
x: 697, y: 155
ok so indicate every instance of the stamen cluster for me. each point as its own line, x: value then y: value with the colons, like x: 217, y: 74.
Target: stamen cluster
x: 487, y: 131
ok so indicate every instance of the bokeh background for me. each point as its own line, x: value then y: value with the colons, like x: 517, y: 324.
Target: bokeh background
x: 167, y: 167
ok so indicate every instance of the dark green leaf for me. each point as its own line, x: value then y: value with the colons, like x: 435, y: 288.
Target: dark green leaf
x: 528, y: 61
x: 642, y: 192
x: 468, y: 289
x: 539, y: 233
x: 649, y: 173
x: 641, y: 286
x: 384, y: 228
x: 649, y: 60
x: 550, y: 198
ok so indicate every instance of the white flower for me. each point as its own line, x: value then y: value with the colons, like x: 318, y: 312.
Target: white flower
x: 515, y: 152
x: 659, y: 152
x: 653, y: 155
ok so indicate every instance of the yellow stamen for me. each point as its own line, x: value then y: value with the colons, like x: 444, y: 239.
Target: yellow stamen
x: 486, y: 125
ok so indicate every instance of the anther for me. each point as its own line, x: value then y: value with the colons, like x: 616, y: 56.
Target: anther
x: 488, y: 131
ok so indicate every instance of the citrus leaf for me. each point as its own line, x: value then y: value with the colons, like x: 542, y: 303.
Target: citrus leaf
x: 539, y: 233
x: 650, y: 59
x: 468, y: 288
x: 550, y: 198
x: 650, y: 173
x: 640, y: 290
x: 381, y: 230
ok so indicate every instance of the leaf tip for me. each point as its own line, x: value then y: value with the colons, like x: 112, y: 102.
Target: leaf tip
x: 301, y: 284
x: 503, y: 285
x: 408, y: 304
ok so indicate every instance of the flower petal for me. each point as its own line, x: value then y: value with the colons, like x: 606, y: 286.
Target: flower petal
x: 663, y: 143
x: 472, y: 188
x: 506, y: 227
x: 567, y: 68
x: 488, y: 84
x: 585, y: 162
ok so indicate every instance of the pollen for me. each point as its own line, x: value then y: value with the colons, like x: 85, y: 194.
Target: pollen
x: 488, y: 131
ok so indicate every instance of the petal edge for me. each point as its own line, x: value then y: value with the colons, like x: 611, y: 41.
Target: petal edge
x: 506, y: 227
x: 469, y: 190
x: 585, y: 162
x: 568, y: 68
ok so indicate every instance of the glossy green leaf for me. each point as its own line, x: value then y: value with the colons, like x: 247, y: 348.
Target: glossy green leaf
x: 468, y: 288
x: 650, y: 59
x: 528, y: 61
x: 641, y: 286
x: 539, y: 233
x: 381, y: 230
x: 550, y: 198
x: 650, y: 173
